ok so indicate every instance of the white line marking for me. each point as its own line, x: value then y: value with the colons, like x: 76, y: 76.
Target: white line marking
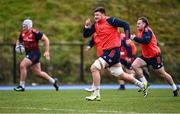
x: 60, y: 109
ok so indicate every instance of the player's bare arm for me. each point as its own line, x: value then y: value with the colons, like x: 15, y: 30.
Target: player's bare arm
x: 46, y: 42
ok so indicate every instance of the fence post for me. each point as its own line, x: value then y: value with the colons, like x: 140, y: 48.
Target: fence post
x: 14, y: 64
x: 82, y: 62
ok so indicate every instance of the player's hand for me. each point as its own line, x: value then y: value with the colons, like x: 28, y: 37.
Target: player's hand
x: 133, y: 36
x: 88, y: 23
x: 46, y: 54
x: 87, y: 48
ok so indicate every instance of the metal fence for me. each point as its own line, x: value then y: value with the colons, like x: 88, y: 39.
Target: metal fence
x: 70, y: 63
x: 7, y: 63
x: 67, y: 62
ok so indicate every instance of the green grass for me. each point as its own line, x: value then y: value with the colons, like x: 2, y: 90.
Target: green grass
x: 73, y: 101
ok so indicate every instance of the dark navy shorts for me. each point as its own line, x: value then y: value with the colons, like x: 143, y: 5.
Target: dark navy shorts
x: 34, y: 56
x: 155, y: 62
x: 111, y: 56
x: 125, y: 64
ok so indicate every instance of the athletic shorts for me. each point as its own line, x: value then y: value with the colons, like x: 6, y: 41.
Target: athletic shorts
x: 111, y: 56
x: 125, y: 64
x: 34, y: 56
x: 155, y: 62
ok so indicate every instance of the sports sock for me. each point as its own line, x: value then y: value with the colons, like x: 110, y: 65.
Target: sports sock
x: 143, y: 79
x: 174, y: 87
x: 92, y: 86
x: 22, y: 83
x: 97, y: 90
x: 51, y: 80
x: 138, y: 83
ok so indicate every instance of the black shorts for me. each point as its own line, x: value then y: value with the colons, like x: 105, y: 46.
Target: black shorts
x: 34, y: 56
x: 156, y: 61
x: 111, y: 56
x: 125, y: 64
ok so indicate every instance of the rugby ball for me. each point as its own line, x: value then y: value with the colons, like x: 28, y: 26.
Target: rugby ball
x: 20, y: 48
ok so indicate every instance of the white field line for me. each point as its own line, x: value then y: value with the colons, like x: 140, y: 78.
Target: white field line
x: 65, y: 110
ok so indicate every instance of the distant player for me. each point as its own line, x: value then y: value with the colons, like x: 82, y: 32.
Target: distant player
x: 127, y: 56
x: 106, y: 29
x: 151, y: 53
x: 128, y: 52
x: 30, y: 38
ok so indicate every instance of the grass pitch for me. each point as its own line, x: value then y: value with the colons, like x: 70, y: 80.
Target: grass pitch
x: 73, y: 102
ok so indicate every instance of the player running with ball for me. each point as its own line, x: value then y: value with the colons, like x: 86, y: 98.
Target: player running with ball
x: 30, y: 38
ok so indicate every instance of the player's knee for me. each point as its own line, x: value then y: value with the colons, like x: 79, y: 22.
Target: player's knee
x: 134, y: 66
x: 116, y: 71
x: 98, y: 64
x: 22, y: 66
x: 93, y: 68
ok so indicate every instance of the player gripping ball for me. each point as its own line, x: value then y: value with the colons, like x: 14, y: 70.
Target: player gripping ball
x: 20, y: 48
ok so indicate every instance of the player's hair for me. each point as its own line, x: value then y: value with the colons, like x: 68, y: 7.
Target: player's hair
x: 100, y: 9
x: 145, y: 20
